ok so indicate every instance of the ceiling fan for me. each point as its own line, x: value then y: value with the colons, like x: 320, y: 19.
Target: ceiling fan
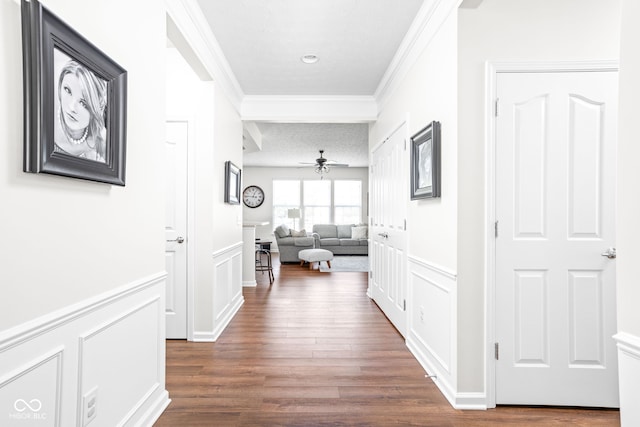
x: 322, y: 165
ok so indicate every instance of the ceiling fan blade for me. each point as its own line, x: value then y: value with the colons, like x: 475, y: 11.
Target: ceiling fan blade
x: 337, y: 164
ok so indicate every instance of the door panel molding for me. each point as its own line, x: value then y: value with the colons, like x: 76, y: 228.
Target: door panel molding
x: 388, y: 279
x: 492, y: 69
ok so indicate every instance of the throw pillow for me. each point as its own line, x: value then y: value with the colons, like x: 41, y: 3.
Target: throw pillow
x: 282, y: 231
x: 359, y: 232
x: 301, y: 233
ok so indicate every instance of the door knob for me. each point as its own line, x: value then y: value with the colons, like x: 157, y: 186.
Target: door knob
x: 609, y: 253
x: 385, y: 235
x: 178, y: 240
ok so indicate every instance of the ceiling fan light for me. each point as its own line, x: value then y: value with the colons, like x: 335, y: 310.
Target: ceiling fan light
x: 309, y: 58
x: 322, y: 170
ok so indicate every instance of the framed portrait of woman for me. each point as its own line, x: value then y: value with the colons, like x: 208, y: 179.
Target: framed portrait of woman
x: 74, y: 102
x: 425, y: 162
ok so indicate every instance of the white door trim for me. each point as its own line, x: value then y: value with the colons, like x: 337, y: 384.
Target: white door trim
x: 491, y: 72
x: 191, y: 248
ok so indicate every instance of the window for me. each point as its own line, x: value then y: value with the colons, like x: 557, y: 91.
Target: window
x: 347, y: 201
x: 320, y: 202
x: 316, y: 203
x: 286, y: 195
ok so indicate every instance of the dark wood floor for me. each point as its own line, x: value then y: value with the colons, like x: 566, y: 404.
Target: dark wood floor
x: 313, y: 350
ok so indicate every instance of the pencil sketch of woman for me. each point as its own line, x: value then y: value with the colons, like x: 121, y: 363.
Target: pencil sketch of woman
x: 424, y: 165
x: 80, y: 118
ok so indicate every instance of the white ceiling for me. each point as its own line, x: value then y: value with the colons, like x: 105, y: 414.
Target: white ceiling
x: 355, y: 40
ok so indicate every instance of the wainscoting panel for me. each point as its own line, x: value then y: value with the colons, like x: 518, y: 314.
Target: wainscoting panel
x: 432, y: 322
x: 432, y: 329
x: 111, y: 347
x: 227, y: 290
x: 629, y: 378
x: 32, y: 393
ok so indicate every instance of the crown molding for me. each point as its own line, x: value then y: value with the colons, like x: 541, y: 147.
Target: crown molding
x: 193, y: 27
x: 309, y: 109
x: 424, y: 27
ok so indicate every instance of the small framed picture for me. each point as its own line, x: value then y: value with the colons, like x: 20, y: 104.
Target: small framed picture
x: 74, y: 102
x: 425, y: 162
x: 232, y: 183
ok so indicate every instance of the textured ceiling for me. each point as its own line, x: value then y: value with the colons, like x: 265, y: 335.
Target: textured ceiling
x: 355, y: 40
x: 287, y: 144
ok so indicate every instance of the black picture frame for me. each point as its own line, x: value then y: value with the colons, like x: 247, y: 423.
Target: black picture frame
x: 425, y: 162
x: 61, y: 68
x: 232, y: 183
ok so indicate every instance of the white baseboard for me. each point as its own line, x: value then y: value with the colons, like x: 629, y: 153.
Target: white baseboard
x: 249, y: 284
x: 155, y: 410
x: 52, y: 363
x: 629, y: 377
x: 215, y: 334
x: 471, y: 401
x: 458, y: 400
x: 224, y: 321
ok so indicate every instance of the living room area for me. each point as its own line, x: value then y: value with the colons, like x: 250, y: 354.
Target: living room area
x: 296, y: 199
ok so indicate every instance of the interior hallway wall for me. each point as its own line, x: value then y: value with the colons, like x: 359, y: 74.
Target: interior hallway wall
x: 217, y: 228
x: 82, y: 266
x: 72, y: 239
x: 427, y: 92
x: 507, y: 30
x: 628, y: 232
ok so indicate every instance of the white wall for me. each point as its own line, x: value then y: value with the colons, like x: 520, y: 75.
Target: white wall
x: 507, y: 30
x: 263, y: 178
x: 215, y: 233
x: 83, y: 251
x: 73, y: 239
x: 427, y: 92
x: 227, y: 218
x: 629, y: 173
x: 628, y: 213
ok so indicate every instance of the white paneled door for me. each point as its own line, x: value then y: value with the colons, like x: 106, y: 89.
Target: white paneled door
x: 389, y: 198
x: 555, y: 266
x: 175, y: 149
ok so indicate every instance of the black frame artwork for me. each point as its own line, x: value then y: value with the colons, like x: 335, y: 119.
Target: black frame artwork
x: 75, y: 102
x: 425, y: 162
x: 232, y: 183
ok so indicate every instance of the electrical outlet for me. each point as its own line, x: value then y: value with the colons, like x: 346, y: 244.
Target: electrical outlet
x: 89, y: 406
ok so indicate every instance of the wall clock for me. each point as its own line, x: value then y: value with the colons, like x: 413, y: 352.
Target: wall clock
x: 253, y: 196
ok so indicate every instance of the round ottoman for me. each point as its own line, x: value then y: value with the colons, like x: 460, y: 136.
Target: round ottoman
x: 315, y: 255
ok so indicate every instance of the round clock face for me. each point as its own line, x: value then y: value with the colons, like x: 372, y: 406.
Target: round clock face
x: 253, y: 196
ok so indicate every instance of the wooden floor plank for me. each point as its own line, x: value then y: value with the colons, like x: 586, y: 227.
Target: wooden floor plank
x: 313, y: 350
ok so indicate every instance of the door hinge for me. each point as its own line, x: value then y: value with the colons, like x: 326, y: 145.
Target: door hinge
x: 404, y: 305
x: 370, y: 274
x: 405, y: 225
x: 496, y: 229
x: 497, y: 104
x: 497, y: 350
